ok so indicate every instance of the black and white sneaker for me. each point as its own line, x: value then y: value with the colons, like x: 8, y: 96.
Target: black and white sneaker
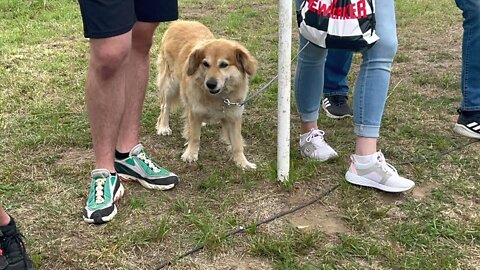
x: 13, y: 255
x: 336, y: 107
x: 468, y: 124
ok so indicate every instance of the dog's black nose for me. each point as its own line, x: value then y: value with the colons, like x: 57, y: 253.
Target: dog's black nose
x: 211, y: 84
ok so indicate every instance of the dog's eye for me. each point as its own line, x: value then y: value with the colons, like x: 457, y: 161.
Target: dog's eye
x: 205, y: 64
x: 223, y: 65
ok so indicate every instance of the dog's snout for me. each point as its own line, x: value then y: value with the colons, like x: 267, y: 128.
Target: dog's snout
x: 211, y: 84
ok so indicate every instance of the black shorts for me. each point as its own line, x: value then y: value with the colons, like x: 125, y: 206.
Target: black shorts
x: 109, y: 18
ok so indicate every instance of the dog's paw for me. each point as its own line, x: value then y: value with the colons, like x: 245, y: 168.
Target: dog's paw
x: 189, y: 157
x: 246, y: 165
x: 164, y: 131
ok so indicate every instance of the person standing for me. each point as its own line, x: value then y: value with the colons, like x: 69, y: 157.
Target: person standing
x: 368, y: 166
x: 121, y: 35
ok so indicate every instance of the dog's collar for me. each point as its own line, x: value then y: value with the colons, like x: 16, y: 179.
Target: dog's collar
x: 229, y: 103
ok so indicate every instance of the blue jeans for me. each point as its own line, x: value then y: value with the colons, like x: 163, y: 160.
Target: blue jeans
x: 373, y: 79
x: 470, y: 55
x: 337, y: 66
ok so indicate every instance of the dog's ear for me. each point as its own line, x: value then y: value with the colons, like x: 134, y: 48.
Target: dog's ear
x: 194, y: 60
x: 245, y: 60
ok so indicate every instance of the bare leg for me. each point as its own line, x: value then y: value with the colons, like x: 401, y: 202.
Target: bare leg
x: 137, y: 74
x: 365, y: 146
x: 105, y: 94
x: 4, y: 217
x: 307, y: 126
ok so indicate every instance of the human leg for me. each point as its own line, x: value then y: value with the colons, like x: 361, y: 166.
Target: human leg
x: 369, y: 167
x: 132, y: 162
x: 106, y: 95
x: 308, y: 91
x: 148, y: 14
x: 468, y: 123
x: 137, y: 74
x: 4, y: 217
x: 308, y: 83
x: 335, y: 88
x: 337, y: 66
x: 108, y: 24
x: 105, y: 102
x: 470, y: 55
x: 373, y: 80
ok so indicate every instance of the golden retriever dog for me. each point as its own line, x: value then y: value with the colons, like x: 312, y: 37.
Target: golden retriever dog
x: 203, y: 73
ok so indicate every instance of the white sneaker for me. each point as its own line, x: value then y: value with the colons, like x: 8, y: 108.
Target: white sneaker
x: 313, y: 145
x: 377, y: 174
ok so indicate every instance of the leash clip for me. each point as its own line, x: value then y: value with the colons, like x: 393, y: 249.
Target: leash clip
x: 229, y: 103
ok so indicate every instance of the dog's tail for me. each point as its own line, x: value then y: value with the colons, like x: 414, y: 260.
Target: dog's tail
x: 167, y: 86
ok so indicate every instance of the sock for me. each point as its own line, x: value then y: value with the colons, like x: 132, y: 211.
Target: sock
x: 364, y: 160
x: 119, y: 155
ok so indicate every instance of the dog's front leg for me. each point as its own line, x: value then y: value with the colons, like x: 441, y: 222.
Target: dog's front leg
x: 163, y: 127
x: 225, y: 138
x: 233, y: 127
x: 192, y: 131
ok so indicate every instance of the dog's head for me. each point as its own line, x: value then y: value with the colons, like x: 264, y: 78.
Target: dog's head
x: 219, y: 63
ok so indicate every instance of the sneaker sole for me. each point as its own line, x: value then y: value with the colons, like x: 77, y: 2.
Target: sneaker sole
x: 362, y: 181
x: 462, y: 130
x: 335, y: 116
x: 332, y: 157
x: 145, y: 184
x: 108, y: 218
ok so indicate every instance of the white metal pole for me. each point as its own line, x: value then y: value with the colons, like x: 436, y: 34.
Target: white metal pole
x: 284, y: 84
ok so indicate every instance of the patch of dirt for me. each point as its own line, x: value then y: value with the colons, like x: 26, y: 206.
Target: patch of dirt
x: 231, y: 261
x: 472, y: 259
x: 419, y: 192
x: 391, y: 198
x: 260, y: 207
x: 465, y: 210
x: 424, y: 190
x: 76, y: 156
x: 318, y: 216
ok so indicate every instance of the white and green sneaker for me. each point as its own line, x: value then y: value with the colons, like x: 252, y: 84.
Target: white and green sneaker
x: 139, y: 167
x: 105, y: 190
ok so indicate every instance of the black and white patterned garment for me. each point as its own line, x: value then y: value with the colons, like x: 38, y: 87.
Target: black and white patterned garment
x: 339, y: 24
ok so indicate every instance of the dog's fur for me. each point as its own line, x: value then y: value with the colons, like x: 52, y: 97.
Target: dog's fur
x: 201, y: 71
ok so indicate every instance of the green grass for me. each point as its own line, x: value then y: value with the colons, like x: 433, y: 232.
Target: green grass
x: 46, y: 158
x: 285, y: 249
